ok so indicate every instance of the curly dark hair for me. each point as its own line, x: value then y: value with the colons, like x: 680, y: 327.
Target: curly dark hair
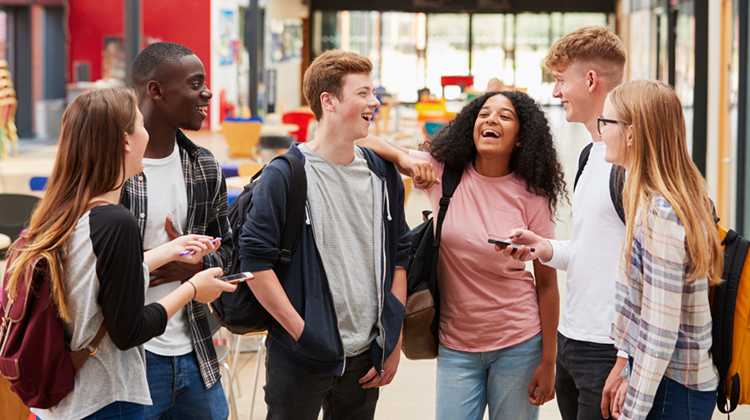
x: 536, y: 161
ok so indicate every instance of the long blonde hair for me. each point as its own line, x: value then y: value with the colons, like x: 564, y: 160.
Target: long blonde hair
x: 90, y: 162
x: 659, y: 163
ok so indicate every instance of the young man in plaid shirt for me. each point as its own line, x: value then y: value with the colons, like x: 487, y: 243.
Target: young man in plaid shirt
x: 181, y: 191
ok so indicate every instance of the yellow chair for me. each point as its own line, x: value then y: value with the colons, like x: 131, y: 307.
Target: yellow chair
x: 242, y: 137
x: 249, y: 169
x: 407, y: 187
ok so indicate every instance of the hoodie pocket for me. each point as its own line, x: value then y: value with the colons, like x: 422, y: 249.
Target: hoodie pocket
x: 319, y: 339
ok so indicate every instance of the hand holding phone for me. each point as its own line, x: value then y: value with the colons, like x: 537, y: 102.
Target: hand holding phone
x: 236, y: 278
x: 506, y: 244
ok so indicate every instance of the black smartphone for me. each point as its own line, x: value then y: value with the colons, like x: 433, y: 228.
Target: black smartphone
x: 504, y: 243
x: 236, y: 278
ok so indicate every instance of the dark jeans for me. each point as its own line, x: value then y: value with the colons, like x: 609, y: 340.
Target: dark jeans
x: 294, y: 393
x: 674, y: 401
x: 581, y: 371
x: 119, y: 410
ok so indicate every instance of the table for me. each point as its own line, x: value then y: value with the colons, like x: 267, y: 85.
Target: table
x: 277, y: 129
x: 237, y: 182
x: 4, y: 241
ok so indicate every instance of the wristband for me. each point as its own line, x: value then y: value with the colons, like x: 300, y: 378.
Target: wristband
x: 195, y: 291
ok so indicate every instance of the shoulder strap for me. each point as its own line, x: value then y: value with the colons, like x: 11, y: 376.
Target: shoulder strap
x: 582, y: 159
x: 724, y: 303
x: 450, y: 180
x: 79, y: 357
x: 616, y: 182
x: 295, y: 207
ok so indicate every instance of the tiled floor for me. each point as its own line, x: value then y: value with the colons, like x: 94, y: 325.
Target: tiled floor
x: 411, y: 396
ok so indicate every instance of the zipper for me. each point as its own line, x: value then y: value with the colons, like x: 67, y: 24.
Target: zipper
x: 382, y: 275
x: 338, y: 327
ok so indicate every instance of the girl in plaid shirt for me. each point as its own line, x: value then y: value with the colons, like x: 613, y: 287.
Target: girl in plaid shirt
x: 671, y: 255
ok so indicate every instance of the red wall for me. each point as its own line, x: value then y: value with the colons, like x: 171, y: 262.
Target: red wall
x: 186, y: 22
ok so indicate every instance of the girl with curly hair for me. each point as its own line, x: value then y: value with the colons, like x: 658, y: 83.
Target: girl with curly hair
x: 497, y: 320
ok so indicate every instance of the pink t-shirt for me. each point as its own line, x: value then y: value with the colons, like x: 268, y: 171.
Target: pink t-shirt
x: 488, y: 302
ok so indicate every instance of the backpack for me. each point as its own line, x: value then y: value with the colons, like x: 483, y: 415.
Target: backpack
x: 731, y: 323
x: 420, y: 337
x: 33, y: 355
x: 239, y: 311
x: 616, y: 181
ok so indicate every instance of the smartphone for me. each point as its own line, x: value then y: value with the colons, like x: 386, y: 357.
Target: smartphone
x: 236, y: 278
x: 504, y: 243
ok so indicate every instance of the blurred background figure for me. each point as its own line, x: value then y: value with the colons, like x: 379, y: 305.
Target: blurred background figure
x: 496, y: 85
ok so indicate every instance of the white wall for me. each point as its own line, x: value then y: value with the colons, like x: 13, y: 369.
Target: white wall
x: 288, y: 73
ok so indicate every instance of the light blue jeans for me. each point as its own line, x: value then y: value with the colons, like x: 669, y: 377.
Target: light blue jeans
x: 468, y: 382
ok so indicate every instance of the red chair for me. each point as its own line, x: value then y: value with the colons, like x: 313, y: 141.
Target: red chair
x: 301, y: 120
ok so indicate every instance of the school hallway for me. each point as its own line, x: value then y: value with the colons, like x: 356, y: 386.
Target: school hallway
x: 411, y: 396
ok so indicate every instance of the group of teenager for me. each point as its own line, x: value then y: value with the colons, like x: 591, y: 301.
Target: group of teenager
x: 134, y: 225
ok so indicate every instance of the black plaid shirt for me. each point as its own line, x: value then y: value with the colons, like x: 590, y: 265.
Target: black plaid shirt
x: 206, y: 215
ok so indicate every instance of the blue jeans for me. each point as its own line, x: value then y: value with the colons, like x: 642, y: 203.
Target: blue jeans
x: 468, y: 382
x: 580, y: 373
x: 294, y: 393
x: 177, y: 390
x: 674, y: 401
x: 119, y: 410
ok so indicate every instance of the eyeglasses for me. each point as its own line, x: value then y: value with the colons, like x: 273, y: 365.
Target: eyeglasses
x: 601, y: 122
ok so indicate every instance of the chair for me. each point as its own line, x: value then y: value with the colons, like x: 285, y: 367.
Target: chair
x: 15, y: 213
x: 242, y: 137
x: 432, y: 127
x: 38, y: 183
x: 232, y: 194
x: 258, y: 361
x: 249, y: 169
x: 407, y: 187
x: 301, y: 119
x: 222, y: 351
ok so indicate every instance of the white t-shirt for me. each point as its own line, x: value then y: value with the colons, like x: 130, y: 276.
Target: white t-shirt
x: 167, y: 196
x: 591, y: 256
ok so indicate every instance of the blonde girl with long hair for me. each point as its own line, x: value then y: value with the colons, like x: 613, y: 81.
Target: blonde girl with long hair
x: 97, y: 268
x: 671, y: 255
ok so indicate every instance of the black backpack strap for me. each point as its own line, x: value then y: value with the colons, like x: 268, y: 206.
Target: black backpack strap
x: 295, y: 207
x: 450, y: 180
x: 724, y: 302
x: 582, y: 159
x: 616, y: 182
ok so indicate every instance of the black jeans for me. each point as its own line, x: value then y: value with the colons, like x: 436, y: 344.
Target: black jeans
x: 581, y: 371
x: 293, y: 393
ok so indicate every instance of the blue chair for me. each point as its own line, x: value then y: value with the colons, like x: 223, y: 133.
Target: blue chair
x: 432, y: 128
x: 238, y: 119
x: 38, y: 183
x: 232, y: 194
x: 229, y: 169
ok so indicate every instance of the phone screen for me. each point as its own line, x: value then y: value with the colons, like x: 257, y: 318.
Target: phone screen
x: 505, y: 243
x: 236, y: 278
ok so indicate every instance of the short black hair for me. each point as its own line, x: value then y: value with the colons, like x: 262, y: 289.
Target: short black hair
x: 152, y: 59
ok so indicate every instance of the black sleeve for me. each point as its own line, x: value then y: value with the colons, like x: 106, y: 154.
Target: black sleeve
x: 122, y: 288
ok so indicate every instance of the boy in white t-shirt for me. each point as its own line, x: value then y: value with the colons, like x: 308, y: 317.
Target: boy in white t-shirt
x: 181, y: 190
x: 587, y: 63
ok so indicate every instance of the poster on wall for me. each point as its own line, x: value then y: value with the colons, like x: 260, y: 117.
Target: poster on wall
x: 226, y: 37
x: 113, y: 59
x: 285, y: 36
